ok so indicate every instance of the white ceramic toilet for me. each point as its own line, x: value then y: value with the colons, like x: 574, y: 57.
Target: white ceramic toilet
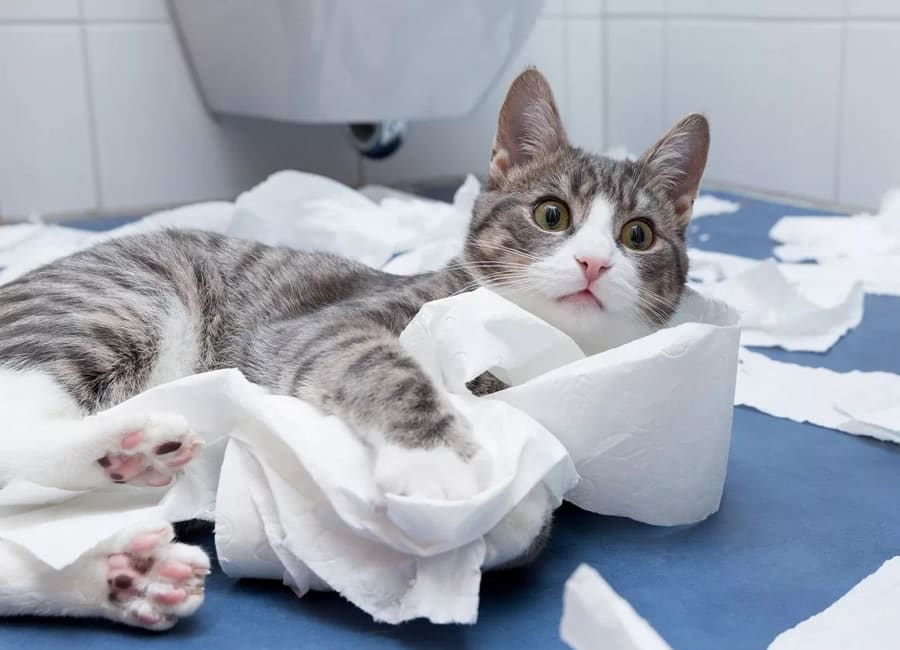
x: 350, y: 61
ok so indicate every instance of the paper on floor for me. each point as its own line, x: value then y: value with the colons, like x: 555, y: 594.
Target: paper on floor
x: 811, y: 315
x: 865, y: 618
x: 708, y: 205
x: 294, y: 209
x: 859, y: 403
x: 595, y: 616
x: 864, y: 247
x: 775, y: 313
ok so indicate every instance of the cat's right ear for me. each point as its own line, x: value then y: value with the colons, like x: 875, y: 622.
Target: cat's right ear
x: 529, y: 125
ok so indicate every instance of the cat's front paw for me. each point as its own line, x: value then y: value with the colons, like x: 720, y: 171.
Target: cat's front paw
x: 436, y: 473
x: 150, y: 450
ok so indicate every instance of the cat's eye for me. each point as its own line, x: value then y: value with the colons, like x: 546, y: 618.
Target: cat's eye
x: 637, y: 235
x: 552, y: 215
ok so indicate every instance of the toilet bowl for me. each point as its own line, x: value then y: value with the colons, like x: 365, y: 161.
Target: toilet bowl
x: 350, y: 61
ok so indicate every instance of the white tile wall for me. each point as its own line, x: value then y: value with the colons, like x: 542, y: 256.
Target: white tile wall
x: 801, y: 95
x: 38, y: 10
x: 583, y: 110
x: 125, y: 10
x: 870, y: 138
x: 809, y: 9
x: 635, y: 6
x: 770, y: 91
x: 635, y: 64
x: 45, y: 164
x: 873, y: 8
x: 156, y: 143
x: 585, y: 7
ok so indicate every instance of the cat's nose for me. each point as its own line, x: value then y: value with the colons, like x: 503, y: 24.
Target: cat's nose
x: 593, y: 267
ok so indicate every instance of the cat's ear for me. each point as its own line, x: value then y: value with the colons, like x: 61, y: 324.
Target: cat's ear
x: 529, y: 125
x: 677, y: 161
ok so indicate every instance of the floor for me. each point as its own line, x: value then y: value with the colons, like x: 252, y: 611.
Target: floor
x: 807, y: 513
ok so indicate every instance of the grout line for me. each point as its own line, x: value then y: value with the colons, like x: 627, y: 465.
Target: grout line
x: 15, y: 22
x: 568, y: 108
x: 839, y: 131
x: 604, y: 66
x: 91, y: 111
x: 666, y: 115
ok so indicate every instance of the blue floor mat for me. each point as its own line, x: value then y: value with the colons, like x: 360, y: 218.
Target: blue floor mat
x: 807, y: 513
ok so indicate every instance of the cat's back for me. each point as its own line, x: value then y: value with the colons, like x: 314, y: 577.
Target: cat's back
x: 139, y: 277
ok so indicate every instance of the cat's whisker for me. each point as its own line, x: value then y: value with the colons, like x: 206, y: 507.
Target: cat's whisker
x: 505, y: 249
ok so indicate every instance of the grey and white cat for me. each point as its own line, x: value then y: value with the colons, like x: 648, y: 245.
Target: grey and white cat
x: 594, y: 246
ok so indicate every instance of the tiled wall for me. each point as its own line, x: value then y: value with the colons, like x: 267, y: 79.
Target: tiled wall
x: 803, y: 95
x: 98, y: 111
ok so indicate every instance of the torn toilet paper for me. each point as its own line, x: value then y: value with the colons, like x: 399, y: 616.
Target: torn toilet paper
x: 864, y: 618
x: 310, y: 512
x: 811, y: 315
x: 775, y: 313
x: 708, y: 205
x: 859, y: 403
x: 595, y: 616
x: 864, y: 247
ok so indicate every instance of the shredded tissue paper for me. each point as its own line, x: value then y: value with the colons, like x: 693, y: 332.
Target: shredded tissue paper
x: 292, y: 490
x: 863, y: 619
x: 864, y: 247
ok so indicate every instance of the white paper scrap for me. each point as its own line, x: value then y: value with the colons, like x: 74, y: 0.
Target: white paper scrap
x: 708, y: 205
x: 595, y: 617
x: 830, y: 237
x: 859, y: 403
x: 865, y: 618
x: 775, y: 313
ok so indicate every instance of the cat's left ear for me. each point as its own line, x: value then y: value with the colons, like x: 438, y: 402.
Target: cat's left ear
x: 677, y: 161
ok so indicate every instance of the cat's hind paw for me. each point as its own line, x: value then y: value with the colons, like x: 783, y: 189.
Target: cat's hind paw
x: 436, y: 473
x: 150, y: 450
x: 151, y: 580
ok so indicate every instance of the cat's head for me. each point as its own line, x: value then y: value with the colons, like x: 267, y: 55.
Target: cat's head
x: 592, y: 245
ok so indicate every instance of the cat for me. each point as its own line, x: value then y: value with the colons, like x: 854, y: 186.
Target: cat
x: 591, y: 245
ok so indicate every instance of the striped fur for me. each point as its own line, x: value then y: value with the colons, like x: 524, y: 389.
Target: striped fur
x: 104, y: 324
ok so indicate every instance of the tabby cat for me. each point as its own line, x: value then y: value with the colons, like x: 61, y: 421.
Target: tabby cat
x: 594, y: 246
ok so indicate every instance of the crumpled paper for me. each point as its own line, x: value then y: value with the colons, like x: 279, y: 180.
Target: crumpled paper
x: 708, y: 205
x: 811, y: 314
x: 862, y: 247
x: 865, y: 618
x: 286, y: 502
x: 595, y: 616
x: 859, y: 403
x: 621, y: 416
x: 776, y: 313
x: 291, y: 208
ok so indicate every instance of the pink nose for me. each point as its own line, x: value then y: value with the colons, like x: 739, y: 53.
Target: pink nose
x: 593, y: 267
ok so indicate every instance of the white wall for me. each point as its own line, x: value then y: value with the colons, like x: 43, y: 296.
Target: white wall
x: 803, y: 95
x: 98, y: 111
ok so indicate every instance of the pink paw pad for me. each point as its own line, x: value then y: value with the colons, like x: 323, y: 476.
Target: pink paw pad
x: 154, y: 581
x: 151, y: 455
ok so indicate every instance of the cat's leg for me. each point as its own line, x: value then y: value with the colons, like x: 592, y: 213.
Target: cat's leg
x: 139, y: 577
x: 358, y: 370
x: 522, y: 534
x: 45, y: 439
